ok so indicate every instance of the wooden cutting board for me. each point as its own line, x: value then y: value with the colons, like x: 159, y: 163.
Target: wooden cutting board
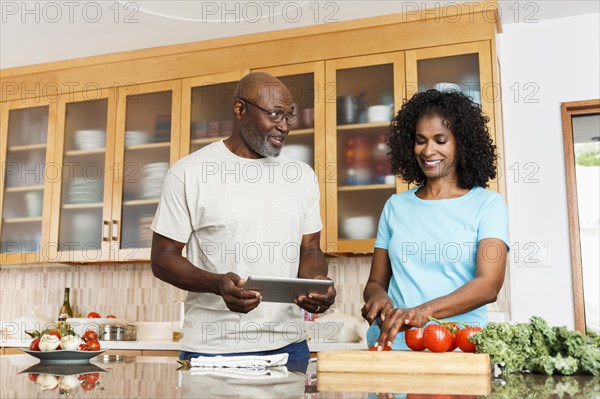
x: 479, y: 385
x: 404, y: 362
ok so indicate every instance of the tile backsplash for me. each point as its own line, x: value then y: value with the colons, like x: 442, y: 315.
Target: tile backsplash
x: 131, y: 291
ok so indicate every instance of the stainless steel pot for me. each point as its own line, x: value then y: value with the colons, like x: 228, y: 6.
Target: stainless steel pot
x: 118, y: 332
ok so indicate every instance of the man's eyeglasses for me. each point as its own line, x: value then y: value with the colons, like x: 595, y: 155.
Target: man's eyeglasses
x: 275, y: 116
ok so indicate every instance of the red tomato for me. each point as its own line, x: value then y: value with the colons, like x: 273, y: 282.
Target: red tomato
x: 82, y: 347
x: 89, y: 335
x: 414, y: 339
x: 93, y: 315
x: 55, y: 333
x: 33, y: 377
x: 463, y: 341
x: 387, y: 348
x: 88, y: 386
x: 110, y: 316
x: 373, y: 348
x: 437, y: 338
x: 93, y: 345
x: 91, y: 377
x: 35, y: 345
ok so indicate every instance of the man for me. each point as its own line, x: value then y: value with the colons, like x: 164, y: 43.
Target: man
x: 242, y: 210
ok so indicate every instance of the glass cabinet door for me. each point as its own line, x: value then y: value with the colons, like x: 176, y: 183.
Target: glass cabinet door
x: 147, y: 124
x: 464, y: 67
x: 84, y: 193
x: 362, y: 96
x: 24, y: 190
x: 207, y: 110
x: 306, y: 140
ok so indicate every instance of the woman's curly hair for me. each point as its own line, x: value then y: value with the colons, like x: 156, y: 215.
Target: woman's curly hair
x: 476, y: 154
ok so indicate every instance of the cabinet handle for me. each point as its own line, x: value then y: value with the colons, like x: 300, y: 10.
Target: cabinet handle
x: 115, y: 230
x: 105, y: 227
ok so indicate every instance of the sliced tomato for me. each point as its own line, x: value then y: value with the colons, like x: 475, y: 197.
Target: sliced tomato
x: 437, y: 338
x: 93, y: 315
x: 463, y: 339
x: 373, y: 348
x: 414, y: 339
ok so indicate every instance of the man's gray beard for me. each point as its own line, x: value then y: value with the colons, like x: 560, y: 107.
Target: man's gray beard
x: 257, y: 144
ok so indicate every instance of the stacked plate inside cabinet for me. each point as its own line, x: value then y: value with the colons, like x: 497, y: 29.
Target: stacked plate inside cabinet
x: 145, y: 231
x: 136, y: 138
x: 83, y: 190
x: 154, y: 173
x: 90, y: 139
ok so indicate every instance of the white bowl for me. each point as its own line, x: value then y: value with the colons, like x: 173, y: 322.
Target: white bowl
x: 447, y: 87
x: 324, y: 332
x: 359, y: 227
x: 90, y: 139
x: 298, y: 152
x: 379, y: 113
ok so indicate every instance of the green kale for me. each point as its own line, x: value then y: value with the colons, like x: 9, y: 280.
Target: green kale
x: 537, y: 347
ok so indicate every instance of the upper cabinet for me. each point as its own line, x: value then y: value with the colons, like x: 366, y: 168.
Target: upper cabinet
x: 82, y: 171
x: 207, y: 110
x: 361, y: 97
x: 25, y: 192
x: 306, y: 140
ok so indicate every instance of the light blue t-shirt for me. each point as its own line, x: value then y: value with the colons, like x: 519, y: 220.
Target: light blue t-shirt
x: 432, y: 245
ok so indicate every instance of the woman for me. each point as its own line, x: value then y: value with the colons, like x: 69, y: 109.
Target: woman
x: 441, y: 247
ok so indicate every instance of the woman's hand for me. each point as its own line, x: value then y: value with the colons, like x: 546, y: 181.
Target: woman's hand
x: 236, y: 298
x: 397, y: 320
x: 377, y: 306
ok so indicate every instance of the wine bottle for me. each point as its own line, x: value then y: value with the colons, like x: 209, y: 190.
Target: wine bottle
x: 65, y: 310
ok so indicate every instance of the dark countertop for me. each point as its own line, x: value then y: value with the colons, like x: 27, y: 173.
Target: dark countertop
x: 113, y: 377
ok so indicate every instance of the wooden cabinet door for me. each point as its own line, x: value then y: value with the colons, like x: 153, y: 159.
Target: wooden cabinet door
x: 306, y: 141
x: 26, y: 144
x: 466, y: 67
x: 82, y: 195
x: 206, y: 109
x: 362, y: 95
x: 146, y: 144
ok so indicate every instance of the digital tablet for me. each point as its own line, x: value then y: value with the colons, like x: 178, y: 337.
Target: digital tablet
x: 285, y: 290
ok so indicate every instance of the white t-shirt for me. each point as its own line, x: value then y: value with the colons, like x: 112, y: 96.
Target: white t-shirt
x: 245, y: 216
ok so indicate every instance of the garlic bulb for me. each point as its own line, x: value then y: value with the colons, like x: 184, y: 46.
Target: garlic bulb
x: 47, y: 381
x: 68, y: 382
x: 49, y: 343
x: 70, y: 342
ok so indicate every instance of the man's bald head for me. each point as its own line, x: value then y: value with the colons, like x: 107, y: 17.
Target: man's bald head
x: 256, y: 85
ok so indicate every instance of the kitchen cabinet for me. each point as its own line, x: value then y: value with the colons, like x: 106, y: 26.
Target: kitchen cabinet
x: 361, y: 97
x: 306, y: 141
x: 111, y: 146
x: 26, y: 142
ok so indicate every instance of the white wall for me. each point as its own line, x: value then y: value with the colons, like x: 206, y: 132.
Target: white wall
x: 559, y: 59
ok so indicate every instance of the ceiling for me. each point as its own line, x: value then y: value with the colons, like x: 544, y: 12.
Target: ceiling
x: 34, y: 32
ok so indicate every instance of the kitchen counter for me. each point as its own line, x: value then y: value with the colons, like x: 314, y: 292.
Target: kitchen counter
x: 166, y: 345
x: 160, y: 377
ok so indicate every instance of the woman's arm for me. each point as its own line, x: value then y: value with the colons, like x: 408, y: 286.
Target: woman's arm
x: 377, y: 301
x: 483, y: 289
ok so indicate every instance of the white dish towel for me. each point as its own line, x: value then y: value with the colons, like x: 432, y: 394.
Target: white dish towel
x: 244, y: 362
x: 242, y: 373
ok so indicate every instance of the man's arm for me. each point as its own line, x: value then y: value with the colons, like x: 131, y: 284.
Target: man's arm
x: 313, y: 265
x: 169, y: 265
